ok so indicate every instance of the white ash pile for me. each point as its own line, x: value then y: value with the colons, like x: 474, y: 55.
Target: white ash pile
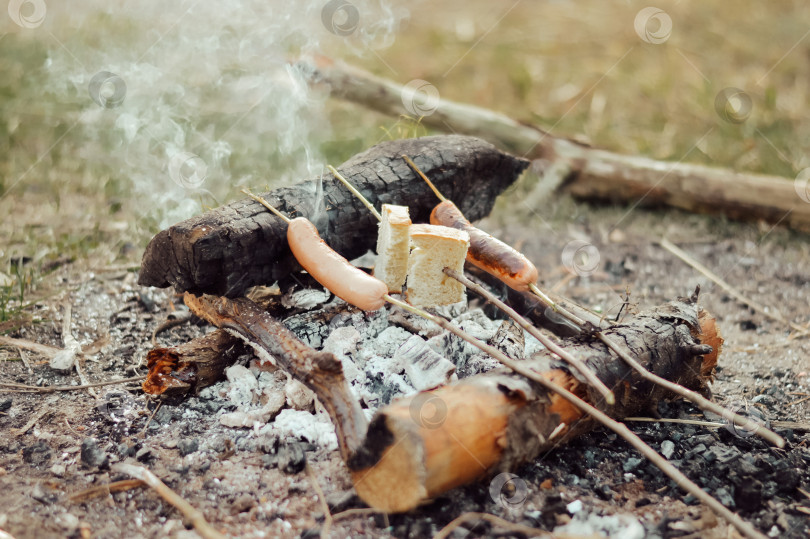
x: 386, y: 354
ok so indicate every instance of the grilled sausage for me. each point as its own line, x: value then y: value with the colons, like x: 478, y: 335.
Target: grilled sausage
x: 487, y: 252
x: 347, y: 282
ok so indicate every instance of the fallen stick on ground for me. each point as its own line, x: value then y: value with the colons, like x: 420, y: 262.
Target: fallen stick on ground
x: 109, y: 488
x: 583, y: 171
x: 274, y: 343
x: 768, y: 312
x: 711, y: 351
x: 41, y: 349
x: 193, y: 515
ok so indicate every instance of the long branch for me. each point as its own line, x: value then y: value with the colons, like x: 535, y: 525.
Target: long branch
x: 586, y: 172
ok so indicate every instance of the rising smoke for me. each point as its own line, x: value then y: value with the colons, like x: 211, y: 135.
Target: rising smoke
x: 185, y: 101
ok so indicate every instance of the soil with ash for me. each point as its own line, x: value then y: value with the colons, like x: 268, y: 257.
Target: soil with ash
x: 251, y: 482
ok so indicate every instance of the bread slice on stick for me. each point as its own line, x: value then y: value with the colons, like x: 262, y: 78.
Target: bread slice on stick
x: 434, y: 248
x: 393, y: 245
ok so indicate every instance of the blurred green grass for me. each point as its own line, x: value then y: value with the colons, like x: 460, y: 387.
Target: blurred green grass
x: 577, y: 68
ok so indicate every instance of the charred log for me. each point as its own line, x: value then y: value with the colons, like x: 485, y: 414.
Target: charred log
x: 227, y: 250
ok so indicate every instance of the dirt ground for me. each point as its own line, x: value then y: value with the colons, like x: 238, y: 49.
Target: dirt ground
x: 230, y: 474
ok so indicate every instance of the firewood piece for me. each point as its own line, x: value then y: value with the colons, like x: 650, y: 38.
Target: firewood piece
x: 433, y: 441
x: 478, y: 438
x: 229, y: 249
x: 320, y: 371
x: 191, y: 366
x: 586, y: 172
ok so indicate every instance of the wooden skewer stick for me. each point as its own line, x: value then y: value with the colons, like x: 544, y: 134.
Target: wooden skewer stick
x: 267, y: 205
x: 699, y: 400
x: 355, y: 192
x: 619, y: 428
x: 424, y: 177
x: 589, y: 375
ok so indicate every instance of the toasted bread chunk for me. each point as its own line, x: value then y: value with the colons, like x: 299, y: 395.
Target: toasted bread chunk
x: 393, y: 245
x: 434, y: 248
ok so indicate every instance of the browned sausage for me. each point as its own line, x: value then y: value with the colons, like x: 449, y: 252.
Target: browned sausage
x: 487, y: 252
x: 347, y: 282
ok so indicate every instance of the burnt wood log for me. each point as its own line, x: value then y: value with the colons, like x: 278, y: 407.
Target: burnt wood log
x: 229, y: 249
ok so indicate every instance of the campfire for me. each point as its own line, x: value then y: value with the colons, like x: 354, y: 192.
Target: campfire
x: 425, y: 373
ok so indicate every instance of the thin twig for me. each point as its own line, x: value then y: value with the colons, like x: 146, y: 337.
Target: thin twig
x: 49, y: 389
x: 698, y: 400
x: 495, y: 521
x: 45, y: 410
x: 348, y: 513
x: 168, y: 324
x: 267, y: 205
x: 424, y: 177
x: 771, y: 313
x: 696, y: 422
x: 619, y: 428
x: 25, y: 361
x: 355, y: 192
x: 194, y: 516
x: 109, y: 488
x: 327, y: 515
x: 143, y: 431
x: 586, y: 371
x: 31, y: 346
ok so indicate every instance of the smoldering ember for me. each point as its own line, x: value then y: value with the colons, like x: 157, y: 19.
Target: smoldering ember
x: 472, y: 327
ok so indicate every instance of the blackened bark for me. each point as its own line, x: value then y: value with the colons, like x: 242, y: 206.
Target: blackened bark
x: 227, y: 250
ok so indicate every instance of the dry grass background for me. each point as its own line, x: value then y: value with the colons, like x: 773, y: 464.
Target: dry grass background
x: 578, y: 68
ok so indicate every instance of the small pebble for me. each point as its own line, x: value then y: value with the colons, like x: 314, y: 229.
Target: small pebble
x: 92, y: 455
x: 667, y: 448
x: 187, y: 446
x: 5, y: 405
x: 631, y: 464
x: 574, y: 507
x: 58, y: 470
x: 291, y: 458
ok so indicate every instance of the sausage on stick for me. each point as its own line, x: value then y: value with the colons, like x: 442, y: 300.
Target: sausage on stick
x: 347, y: 282
x: 486, y: 251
